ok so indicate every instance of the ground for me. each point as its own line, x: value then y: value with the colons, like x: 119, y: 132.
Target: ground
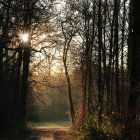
x: 50, y: 132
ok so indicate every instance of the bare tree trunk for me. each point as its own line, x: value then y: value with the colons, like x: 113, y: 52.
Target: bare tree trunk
x: 116, y: 45
x: 3, y: 44
x: 26, y: 58
x: 110, y: 68
x: 134, y: 68
x: 84, y: 92
x: 135, y: 61
x: 90, y: 60
x: 69, y: 91
x: 104, y: 81
x: 1, y: 85
x: 122, y: 58
x: 17, y: 94
x: 100, y: 45
x: 24, y: 85
x: 65, y: 56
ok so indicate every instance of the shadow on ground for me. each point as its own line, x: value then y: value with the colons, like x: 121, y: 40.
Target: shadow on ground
x: 40, y: 134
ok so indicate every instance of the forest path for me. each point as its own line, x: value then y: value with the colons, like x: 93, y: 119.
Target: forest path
x: 40, y: 133
x: 48, y: 133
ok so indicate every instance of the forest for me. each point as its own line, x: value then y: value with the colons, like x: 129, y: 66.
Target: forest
x: 71, y: 60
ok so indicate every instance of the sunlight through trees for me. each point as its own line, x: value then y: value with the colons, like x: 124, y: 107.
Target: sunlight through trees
x: 75, y: 61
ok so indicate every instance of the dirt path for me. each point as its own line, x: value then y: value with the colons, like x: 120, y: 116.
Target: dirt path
x: 41, y: 133
x: 59, y: 133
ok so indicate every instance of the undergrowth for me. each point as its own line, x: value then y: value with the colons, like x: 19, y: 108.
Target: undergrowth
x: 111, y: 128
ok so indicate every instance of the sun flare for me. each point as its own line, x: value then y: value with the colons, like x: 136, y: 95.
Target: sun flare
x: 25, y: 37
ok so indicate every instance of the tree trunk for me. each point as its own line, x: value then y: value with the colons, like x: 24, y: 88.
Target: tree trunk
x: 100, y: 45
x: 122, y: 59
x: 135, y: 61
x: 65, y: 56
x: 116, y: 45
x: 17, y: 94
x: 1, y: 87
x: 24, y: 85
x: 69, y: 92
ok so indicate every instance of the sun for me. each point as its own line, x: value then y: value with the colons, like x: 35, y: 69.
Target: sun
x: 25, y: 37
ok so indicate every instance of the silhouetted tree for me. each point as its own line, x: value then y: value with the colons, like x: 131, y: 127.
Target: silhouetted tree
x: 134, y: 66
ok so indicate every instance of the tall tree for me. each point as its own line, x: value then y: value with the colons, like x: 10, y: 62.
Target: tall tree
x: 116, y: 46
x: 68, y: 38
x: 100, y: 45
x: 134, y: 66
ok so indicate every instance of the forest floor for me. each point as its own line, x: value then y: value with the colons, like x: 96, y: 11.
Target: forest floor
x: 41, y: 133
x: 48, y: 133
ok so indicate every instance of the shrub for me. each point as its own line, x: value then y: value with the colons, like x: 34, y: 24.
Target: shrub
x: 111, y: 128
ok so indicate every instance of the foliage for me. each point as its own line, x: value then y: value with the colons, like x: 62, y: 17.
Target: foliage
x: 112, y: 128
